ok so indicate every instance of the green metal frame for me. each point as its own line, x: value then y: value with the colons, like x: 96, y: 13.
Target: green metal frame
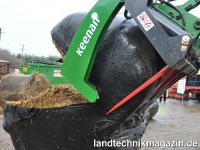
x: 191, y: 21
x: 47, y: 70
x: 81, y: 54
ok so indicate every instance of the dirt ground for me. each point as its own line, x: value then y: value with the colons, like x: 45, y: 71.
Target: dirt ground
x: 175, y: 121
x: 5, y: 141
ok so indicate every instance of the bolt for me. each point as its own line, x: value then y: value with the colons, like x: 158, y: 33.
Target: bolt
x: 178, y: 17
x: 197, y: 24
x: 186, y: 39
x: 171, y: 14
x: 184, y: 48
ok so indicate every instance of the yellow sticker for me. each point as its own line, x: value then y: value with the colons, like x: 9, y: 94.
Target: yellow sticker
x: 25, y: 69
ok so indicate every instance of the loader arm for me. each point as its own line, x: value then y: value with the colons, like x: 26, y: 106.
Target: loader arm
x: 172, y: 42
x: 82, y: 51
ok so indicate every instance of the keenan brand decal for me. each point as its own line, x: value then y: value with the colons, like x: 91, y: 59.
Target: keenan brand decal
x: 89, y: 33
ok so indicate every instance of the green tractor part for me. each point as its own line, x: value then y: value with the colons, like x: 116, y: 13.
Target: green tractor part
x: 83, y: 48
x: 191, y: 22
x: 161, y: 53
x: 82, y: 51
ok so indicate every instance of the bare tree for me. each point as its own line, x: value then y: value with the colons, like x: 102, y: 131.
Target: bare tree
x: 8, y: 56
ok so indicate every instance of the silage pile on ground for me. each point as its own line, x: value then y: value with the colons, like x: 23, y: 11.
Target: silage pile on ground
x: 15, y: 87
x: 58, y: 96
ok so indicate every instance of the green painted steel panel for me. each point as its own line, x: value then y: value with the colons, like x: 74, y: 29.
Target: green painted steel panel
x: 51, y: 72
x: 83, y: 48
x: 173, y: 15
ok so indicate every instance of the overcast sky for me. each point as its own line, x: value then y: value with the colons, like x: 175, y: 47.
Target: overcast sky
x: 29, y: 22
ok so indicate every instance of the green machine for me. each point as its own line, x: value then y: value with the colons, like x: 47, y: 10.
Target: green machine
x: 51, y: 70
x: 162, y: 43
x: 181, y: 16
x: 174, y: 50
x: 156, y: 19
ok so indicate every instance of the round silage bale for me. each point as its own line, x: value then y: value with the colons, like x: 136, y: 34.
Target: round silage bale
x: 12, y: 82
x: 124, y: 61
x: 57, y: 96
x: 15, y: 87
x: 37, y: 84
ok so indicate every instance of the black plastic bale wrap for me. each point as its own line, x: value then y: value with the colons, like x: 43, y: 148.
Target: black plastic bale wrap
x: 152, y: 110
x: 124, y: 61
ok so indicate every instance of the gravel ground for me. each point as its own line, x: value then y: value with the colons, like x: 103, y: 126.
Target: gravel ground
x: 175, y: 121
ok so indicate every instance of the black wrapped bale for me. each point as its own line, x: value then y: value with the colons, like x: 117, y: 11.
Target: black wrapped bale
x: 152, y: 110
x: 72, y: 127
x: 124, y: 61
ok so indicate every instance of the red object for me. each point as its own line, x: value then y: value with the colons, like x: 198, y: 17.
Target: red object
x: 188, y: 89
x: 193, y: 89
x: 140, y: 88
